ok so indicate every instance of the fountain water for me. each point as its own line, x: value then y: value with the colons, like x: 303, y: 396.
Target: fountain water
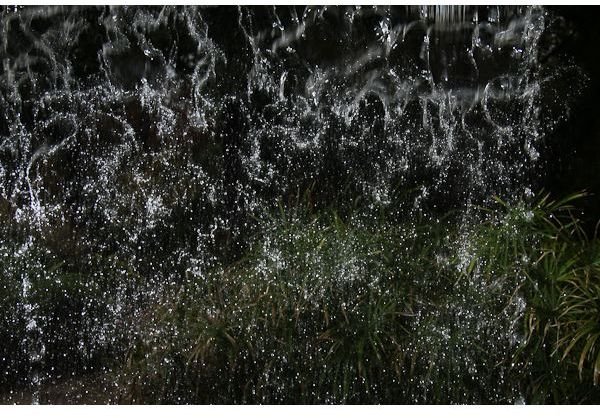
x: 147, y: 141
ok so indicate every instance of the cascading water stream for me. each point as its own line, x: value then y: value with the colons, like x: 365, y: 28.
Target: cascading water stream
x: 33, y: 343
x: 150, y: 142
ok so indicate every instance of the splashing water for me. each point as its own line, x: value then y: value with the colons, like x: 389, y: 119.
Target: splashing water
x: 148, y: 141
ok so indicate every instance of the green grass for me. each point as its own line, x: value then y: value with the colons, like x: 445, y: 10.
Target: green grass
x: 332, y: 308
x: 329, y: 310
x: 66, y: 315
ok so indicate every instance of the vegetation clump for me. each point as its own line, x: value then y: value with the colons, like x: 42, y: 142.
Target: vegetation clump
x: 331, y: 310
x: 325, y: 307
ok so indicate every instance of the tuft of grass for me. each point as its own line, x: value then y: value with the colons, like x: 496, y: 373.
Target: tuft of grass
x: 330, y: 307
x: 311, y: 314
x: 562, y: 321
x: 325, y: 309
x: 58, y: 321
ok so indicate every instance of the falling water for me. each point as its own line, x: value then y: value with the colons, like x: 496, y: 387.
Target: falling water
x: 151, y: 141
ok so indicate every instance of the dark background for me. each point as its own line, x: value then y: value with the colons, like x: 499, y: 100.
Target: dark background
x: 576, y: 144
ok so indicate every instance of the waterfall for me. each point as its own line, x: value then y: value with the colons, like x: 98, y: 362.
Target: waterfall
x: 150, y: 142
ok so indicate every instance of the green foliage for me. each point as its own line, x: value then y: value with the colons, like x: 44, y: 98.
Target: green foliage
x: 330, y: 310
x: 335, y: 308
x: 56, y: 319
x: 545, y: 244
